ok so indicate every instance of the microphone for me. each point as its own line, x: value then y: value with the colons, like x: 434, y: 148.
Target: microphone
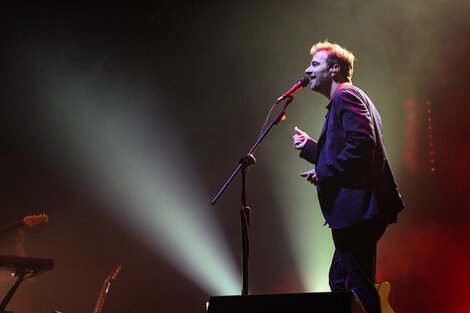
x: 301, y: 83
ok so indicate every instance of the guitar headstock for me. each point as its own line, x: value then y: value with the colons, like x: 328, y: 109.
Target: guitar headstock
x: 33, y: 220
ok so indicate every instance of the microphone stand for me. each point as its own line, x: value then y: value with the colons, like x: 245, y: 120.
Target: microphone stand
x: 245, y: 212
x: 245, y: 221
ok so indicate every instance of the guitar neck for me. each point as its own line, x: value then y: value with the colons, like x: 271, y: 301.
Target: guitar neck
x: 10, y: 226
x: 30, y: 220
x: 100, y: 301
x: 105, y: 288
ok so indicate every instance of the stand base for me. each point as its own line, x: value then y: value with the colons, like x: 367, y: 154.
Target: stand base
x: 323, y: 302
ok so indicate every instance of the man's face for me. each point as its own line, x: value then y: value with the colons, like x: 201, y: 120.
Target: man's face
x: 319, y: 72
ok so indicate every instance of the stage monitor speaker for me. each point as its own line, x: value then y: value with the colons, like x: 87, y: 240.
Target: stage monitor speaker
x: 321, y: 302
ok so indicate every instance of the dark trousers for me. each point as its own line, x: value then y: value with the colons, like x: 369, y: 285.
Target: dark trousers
x: 353, y: 265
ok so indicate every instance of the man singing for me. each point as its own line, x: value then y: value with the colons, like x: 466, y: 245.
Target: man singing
x: 356, y: 188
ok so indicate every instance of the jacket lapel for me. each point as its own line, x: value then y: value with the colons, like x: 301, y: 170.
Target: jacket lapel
x: 322, y: 138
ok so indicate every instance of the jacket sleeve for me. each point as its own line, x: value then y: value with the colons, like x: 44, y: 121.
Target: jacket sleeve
x: 352, y: 165
x: 309, y: 151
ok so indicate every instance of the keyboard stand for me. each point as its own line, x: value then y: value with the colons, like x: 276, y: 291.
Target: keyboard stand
x: 12, y: 290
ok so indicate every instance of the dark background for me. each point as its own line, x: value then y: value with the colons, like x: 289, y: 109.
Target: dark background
x: 207, y: 71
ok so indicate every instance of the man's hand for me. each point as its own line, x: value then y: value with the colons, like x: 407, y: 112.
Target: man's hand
x: 311, y: 176
x: 300, y: 138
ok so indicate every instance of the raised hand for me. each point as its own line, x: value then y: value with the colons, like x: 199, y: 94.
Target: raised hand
x: 300, y: 138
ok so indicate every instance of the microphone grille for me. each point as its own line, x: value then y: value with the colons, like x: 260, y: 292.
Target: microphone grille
x: 304, y: 81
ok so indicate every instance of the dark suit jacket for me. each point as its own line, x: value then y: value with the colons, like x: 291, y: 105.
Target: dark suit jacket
x: 356, y: 182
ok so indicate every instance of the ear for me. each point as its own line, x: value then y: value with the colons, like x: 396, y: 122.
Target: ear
x: 335, y: 69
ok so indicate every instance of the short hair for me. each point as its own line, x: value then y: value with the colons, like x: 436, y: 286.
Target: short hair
x: 337, y: 54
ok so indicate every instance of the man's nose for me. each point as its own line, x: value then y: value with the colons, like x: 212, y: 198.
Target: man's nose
x: 308, y: 70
